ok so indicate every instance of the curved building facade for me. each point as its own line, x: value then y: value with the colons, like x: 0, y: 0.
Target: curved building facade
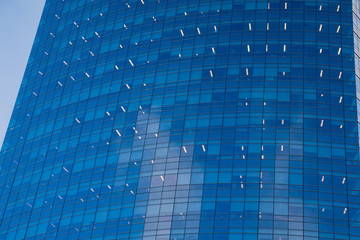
x: 157, y: 120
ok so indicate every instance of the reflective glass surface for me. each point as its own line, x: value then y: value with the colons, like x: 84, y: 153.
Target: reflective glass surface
x: 164, y: 119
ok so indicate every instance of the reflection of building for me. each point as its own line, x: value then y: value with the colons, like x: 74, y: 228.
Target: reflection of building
x: 186, y: 120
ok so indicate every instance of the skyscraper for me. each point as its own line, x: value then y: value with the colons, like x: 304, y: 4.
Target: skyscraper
x: 145, y: 119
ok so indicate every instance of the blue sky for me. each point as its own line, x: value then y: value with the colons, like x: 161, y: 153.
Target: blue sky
x: 18, y: 23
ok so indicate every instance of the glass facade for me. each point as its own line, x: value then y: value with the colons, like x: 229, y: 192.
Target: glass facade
x: 203, y: 119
